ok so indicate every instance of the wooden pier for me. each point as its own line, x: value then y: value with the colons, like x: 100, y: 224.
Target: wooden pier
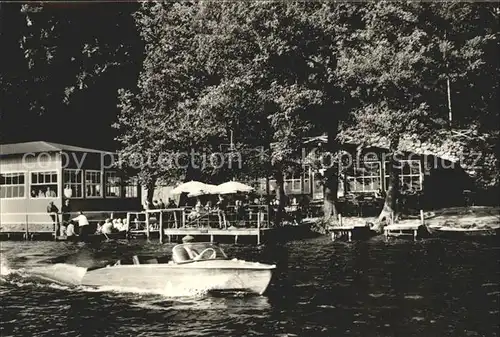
x: 349, y: 231
x: 405, y: 228
x: 178, y: 222
x: 169, y: 224
x: 398, y: 230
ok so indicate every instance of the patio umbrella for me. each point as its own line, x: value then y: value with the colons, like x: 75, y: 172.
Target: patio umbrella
x: 207, y: 189
x: 232, y: 187
x: 193, y: 187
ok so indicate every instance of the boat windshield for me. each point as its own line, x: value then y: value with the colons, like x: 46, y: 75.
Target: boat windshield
x: 199, y: 251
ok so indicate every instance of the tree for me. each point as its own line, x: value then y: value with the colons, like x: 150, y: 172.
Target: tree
x: 71, y: 58
x: 403, y: 68
x: 163, y: 118
x: 383, y: 70
x: 285, y: 55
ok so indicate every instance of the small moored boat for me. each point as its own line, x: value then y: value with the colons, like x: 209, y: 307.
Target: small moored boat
x: 196, y: 266
x: 460, y: 232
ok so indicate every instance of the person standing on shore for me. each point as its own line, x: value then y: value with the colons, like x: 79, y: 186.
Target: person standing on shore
x: 66, y: 210
x: 83, y: 226
x: 53, y: 211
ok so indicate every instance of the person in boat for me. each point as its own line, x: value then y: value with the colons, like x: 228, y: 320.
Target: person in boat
x: 192, y: 253
x: 83, y: 225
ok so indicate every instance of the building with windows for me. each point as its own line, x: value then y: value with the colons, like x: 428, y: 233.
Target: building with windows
x: 429, y: 170
x: 32, y: 174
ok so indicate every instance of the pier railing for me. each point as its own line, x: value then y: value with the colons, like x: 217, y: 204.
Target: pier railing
x: 251, y: 216
x: 44, y: 222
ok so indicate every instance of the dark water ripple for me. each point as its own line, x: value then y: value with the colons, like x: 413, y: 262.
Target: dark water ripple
x: 426, y: 288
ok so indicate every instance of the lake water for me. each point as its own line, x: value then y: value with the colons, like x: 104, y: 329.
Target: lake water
x: 401, y: 288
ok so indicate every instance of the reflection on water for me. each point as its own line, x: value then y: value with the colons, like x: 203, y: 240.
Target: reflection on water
x: 426, y: 288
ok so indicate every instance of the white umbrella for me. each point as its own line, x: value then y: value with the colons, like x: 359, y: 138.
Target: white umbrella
x: 193, y: 187
x: 232, y: 187
x: 208, y: 189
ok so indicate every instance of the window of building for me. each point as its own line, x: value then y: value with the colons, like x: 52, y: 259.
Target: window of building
x: 317, y: 189
x: 295, y: 182
x: 93, y: 184
x: 73, y: 183
x: 12, y: 185
x: 410, y: 174
x: 364, y: 177
x: 258, y: 184
x: 131, y: 188
x: 113, y: 185
x: 44, y: 184
x: 306, y: 174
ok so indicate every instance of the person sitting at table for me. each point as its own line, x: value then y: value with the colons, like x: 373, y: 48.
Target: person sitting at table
x: 161, y: 204
x: 196, y: 212
x: 70, y: 231
x: 50, y: 193
x: 124, y: 225
x: 107, y: 227
x: 118, y: 225
x: 171, y: 203
x: 99, y: 228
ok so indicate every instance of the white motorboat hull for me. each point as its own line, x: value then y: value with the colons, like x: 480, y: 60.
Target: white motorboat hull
x: 198, y: 276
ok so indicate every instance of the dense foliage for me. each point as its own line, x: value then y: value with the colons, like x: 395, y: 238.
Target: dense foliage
x: 180, y: 77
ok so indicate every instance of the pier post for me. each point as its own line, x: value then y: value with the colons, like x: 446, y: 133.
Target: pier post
x: 349, y: 235
x: 236, y: 239
x: 161, y: 226
x: 27, y: 229
x: 340, y: 220
x: 147, y: 225
x: 415, y: 234
x: 258, y: 231
x: 422, y: 217
x: 211, y: 238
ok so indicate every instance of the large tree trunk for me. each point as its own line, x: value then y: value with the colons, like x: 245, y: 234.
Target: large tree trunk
x: 280, y: 195
x: 150, y: 190
x: 390, y: 209
x: 331, y: 179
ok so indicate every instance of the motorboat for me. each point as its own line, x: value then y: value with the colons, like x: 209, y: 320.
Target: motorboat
x: 194, y: 266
